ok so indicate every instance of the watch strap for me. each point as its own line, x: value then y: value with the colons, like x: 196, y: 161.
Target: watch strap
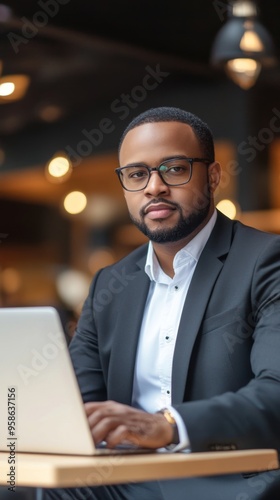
x: 171, y: 420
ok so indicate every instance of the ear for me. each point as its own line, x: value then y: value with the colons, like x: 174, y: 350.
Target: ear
x: 214, y: 173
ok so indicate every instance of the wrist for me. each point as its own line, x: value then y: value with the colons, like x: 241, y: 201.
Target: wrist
x: 167, y: 414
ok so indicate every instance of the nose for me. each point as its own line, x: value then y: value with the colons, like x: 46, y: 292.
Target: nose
x: 156, y: 186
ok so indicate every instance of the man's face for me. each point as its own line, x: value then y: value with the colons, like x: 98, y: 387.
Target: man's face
x: 168, y: 213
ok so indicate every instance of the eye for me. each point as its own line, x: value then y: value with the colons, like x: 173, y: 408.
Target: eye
x: 175, y: 169
x: 137, y: 173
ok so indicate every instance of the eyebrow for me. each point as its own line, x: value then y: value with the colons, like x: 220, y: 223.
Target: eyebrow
x: 166, y: 158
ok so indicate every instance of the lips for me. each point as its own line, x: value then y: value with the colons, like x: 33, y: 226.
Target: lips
x: 159, y: 211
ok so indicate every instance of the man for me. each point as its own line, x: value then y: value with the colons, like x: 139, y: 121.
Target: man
x: 178, y: 344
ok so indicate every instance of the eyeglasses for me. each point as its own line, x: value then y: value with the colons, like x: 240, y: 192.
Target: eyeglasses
x: 173, y: 172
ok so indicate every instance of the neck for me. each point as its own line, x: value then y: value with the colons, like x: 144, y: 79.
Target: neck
x: 165, y: 252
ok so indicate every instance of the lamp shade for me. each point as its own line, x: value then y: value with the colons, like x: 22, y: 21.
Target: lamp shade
x: 243, y: 46
x: 243, y: 38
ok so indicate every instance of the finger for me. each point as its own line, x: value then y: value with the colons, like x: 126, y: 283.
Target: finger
x: 105, y: 415
x: 102, y: 429
x: 115, y: 422
x: 115, y: 431
x: 91, y: 406
x: 117, y: 436
x: 97, y: 411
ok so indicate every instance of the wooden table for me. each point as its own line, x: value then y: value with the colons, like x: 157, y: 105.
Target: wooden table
x: 55, y: 471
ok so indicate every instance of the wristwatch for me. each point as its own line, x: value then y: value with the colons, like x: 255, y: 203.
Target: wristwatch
x: 171, y: 420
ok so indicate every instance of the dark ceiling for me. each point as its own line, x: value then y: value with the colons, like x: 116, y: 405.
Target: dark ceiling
x: 82, y: 54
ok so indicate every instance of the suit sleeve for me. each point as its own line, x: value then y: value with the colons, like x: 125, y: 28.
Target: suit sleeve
x: 250, y: 416
x: 84, y: 352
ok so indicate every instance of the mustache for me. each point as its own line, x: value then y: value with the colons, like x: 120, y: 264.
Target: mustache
x: 157, y: 201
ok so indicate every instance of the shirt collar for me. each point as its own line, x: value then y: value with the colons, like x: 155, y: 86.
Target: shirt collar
x: 191, y: 251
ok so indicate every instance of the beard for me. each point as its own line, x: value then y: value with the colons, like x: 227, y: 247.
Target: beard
x: 184, y: 227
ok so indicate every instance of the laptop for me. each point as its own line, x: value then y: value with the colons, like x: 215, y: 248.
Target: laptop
x: 41, y: 405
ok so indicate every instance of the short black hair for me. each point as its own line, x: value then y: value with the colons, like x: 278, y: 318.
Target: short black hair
x: 170, y: 114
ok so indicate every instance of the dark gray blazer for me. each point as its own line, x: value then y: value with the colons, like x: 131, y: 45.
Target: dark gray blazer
x: 226, y: 367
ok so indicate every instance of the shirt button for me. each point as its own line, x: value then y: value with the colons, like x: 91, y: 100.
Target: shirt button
x: 168, y: 392
x: 176, y: 287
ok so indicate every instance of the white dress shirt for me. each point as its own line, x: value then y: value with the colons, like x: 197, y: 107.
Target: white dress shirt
x: 162, y: 314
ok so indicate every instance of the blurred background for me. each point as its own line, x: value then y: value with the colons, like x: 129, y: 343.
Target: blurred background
x: 74, y: 73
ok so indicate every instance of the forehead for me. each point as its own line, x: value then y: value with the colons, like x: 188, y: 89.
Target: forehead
x: 151, y: 142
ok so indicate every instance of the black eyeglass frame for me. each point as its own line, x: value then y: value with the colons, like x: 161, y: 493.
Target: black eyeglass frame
x: 156, y: 169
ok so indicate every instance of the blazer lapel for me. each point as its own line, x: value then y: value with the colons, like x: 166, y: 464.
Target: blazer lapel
x: 204, y: 278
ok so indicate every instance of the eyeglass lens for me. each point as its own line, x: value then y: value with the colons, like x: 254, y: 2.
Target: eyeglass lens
x: 173, y: 172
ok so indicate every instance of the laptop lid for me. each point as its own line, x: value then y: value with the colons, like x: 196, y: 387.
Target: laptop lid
x: 41, y: 405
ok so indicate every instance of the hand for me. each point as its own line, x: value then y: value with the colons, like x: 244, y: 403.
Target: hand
x: 116, y: 423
